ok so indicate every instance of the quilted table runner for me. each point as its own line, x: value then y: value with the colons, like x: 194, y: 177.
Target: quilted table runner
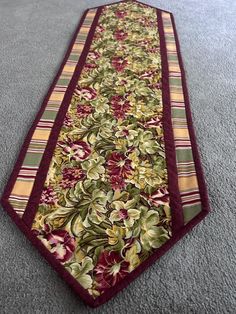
x: 109, y: 176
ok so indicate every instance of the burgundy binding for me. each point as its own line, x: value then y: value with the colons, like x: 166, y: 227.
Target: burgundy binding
x: 28, y: 137
x: 159, y: 252
x: 175, y: 200
x: 31, y: 208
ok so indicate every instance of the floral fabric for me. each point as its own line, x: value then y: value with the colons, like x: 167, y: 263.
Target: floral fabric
x: 105, y: 204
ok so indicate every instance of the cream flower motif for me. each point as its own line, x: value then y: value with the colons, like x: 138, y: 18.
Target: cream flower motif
x: 151, y: 234
x: 125, y: 212
x: 116, y: 234
x: 80, y: 272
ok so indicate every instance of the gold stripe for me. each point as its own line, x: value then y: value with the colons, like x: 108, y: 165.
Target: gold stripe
x: 186, y: 183
x: 69, y: 68
x: 23, y: 188
x: 41, y: 134
x: 176, y: 94
x: 55, y: 96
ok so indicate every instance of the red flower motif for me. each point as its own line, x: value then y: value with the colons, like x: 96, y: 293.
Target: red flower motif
x: 48, y: 196
x: 89, y: 66
x: 144, y: 21
x: 148, y: 74
x: 67, y: 121
x: 87, y: 93
x: 154, y: 49
x: 120, y: 106
x: 119, y: 165
x: 123, y: 213
x: 120, y: 14
x: 94, y: 55
x: 120, y: 34
x: 144, y: 43
x: 100, y: 29
x: 59, y: 242
x: 84, y: 110
x: 117, y: 182
x: 78, y: 150
x: 154, y: 122
x: 157, y: 85
x: 71, y: 176
x: 159, y: 197
x: 119, y: 63
x: 62, y: 244
x: 110, y: 269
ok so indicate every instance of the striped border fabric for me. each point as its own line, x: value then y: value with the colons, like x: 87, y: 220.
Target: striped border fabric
x: 187, y: 178
x: 189, y: 191
x: 24, y: 183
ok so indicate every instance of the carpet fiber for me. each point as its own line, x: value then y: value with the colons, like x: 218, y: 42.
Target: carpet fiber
x: 198, y: 274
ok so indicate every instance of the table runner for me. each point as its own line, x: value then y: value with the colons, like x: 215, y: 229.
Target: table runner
x: 109, y: 176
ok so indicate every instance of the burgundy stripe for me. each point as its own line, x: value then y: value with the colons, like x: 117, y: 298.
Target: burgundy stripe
x: 177, y: 218
x: 28, y: 177
x: 192, y: 202
x: 190, y: 193
x: 196, y: 156
x: 145, y: 264
x: 46, y: 159
x: 20, y: 159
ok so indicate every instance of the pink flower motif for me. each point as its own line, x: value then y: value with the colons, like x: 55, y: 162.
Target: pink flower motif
x: 67, y: 121
x: 159, y: 197
x: 125, y: 132
x: 148, y: 74
x: 89, y: 66
x: 87, y: 93
x: 123, y: 213
x: 157, y: 85
x: 48, y: 196
x: 84, y: 110
x: 144, y: 21
x: 70, y: 176
x: 100, y: 29
x: 144, y: 43
x: 78, y: 150
x: 120, y: 106
x: 110, y: 269
x: 59, y: 242
x: 119, y: 63
x: 119, y: 165
x: 154, y: 122
x: 117, y: 182
x: 120, y: 34
x: 120, y: 14
x: 62, y: 245
x: 94, y: 55
x: 154, y: 49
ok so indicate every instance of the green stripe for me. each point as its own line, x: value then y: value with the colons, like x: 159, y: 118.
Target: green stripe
x: 74, y: 57
x: 190, y: 212
x: 32, y: 159
x: 175, y: 81
x: 184, y: 155
x: 178, y: 112
x: 63, y: 82
x: 49, y: 115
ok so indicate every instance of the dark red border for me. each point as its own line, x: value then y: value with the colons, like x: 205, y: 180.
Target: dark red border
x: 40, y: 179
x: 159, y: 252
x: 196, y: 156
x: 175, y: 199
x: 28, y: 137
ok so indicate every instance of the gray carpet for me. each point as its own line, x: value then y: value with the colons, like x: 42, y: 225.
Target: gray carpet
x: 198, y: 275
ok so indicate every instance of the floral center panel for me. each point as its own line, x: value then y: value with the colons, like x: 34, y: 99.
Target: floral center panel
x: 105, y: 208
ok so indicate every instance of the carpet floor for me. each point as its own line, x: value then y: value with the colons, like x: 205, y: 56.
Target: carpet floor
x: 198, y: 275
